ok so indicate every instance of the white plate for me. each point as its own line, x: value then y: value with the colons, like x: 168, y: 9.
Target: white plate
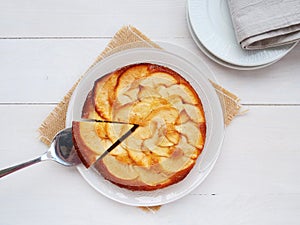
x: 197, y: 76
x: 211, y: 23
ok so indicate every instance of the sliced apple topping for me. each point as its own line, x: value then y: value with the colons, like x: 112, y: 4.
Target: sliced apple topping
x: 158, y: 79
x: 102, y: 93
x: 120, y: 169
x: 194, y: 113
x: 128, y: 95
x: 181, y: 90
x: 192, y: 132
x: 171, y: 132
x: 151, y: 177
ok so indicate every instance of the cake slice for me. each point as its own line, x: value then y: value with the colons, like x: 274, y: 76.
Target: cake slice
x: 92, y: 139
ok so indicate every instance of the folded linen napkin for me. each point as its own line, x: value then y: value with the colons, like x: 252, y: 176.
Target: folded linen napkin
x: 261, y: 24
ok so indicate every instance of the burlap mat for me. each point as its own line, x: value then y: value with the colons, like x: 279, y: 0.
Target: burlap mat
x: 126, y: 37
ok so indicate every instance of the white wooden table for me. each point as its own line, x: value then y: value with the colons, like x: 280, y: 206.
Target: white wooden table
x: 46, y: 45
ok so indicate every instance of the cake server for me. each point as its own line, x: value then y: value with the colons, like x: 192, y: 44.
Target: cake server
x: 61, y: 151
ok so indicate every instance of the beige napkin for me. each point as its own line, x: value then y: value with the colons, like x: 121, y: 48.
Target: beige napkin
x: 260, y: 24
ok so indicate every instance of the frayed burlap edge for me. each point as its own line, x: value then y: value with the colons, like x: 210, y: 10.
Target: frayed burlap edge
x: 229, y: 102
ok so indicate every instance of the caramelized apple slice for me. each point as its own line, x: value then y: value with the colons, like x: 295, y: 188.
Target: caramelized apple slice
x: 192, y: 132
x: 181, y: 90
x: 120, y: 169
x: 151, y: 176
x: 182, y: 157
x: 103, y: 94
x: 158, y: 79
x: 88, y: 111
x: 194, y: 113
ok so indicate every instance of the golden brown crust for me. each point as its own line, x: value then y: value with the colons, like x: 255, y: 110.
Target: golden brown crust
x: 136, y: 185
x: 88, y: 110
x: 84, y: 153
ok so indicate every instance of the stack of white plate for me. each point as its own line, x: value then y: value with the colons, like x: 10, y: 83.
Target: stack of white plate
x: 210, y: 25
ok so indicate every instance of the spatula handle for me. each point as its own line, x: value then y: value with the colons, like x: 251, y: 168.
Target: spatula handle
x: 15, y: 168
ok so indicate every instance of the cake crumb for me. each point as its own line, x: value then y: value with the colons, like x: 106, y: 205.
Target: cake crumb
x: 152, y: 209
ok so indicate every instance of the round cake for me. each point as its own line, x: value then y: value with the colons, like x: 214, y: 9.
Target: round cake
x: 170, y: 134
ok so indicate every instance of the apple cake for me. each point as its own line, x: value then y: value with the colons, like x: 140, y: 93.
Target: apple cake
x: 170, y: 134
